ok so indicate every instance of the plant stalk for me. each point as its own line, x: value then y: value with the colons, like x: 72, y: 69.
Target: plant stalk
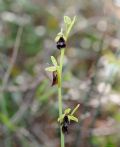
x: 60, y: 94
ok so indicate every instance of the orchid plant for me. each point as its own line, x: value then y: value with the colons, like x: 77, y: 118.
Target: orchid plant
x: 61, y: 39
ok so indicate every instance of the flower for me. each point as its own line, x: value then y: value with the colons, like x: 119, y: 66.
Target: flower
x: 66, y: 117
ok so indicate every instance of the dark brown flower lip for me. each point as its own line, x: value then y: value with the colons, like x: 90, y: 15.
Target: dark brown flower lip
x: 61, y: 43
x: 65, y: 129
x: 65, y: 124
x: 55, y: 78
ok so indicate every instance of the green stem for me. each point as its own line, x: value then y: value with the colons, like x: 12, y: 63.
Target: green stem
x: 60, y: 94
x: 60, y: 113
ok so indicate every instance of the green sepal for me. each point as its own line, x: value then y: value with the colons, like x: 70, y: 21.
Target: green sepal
x: 67, y: 20
x: 69, y: 27
x: 73, y: 118
x: 54, y: 61
x: 60, y: 119
x: 67, y: 111
x: 51, y: 68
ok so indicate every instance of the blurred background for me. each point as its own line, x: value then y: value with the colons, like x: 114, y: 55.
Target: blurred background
x: 91, y: 73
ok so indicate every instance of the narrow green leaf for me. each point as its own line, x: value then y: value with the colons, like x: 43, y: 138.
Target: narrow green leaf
x: 67, y: 111
x: 67, y: 20
x: 71, y: 117
x: 51, y: 68
x: 53, y: 60
x: 5, y: 120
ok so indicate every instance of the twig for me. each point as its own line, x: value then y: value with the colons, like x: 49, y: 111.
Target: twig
x: 14, y: 56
